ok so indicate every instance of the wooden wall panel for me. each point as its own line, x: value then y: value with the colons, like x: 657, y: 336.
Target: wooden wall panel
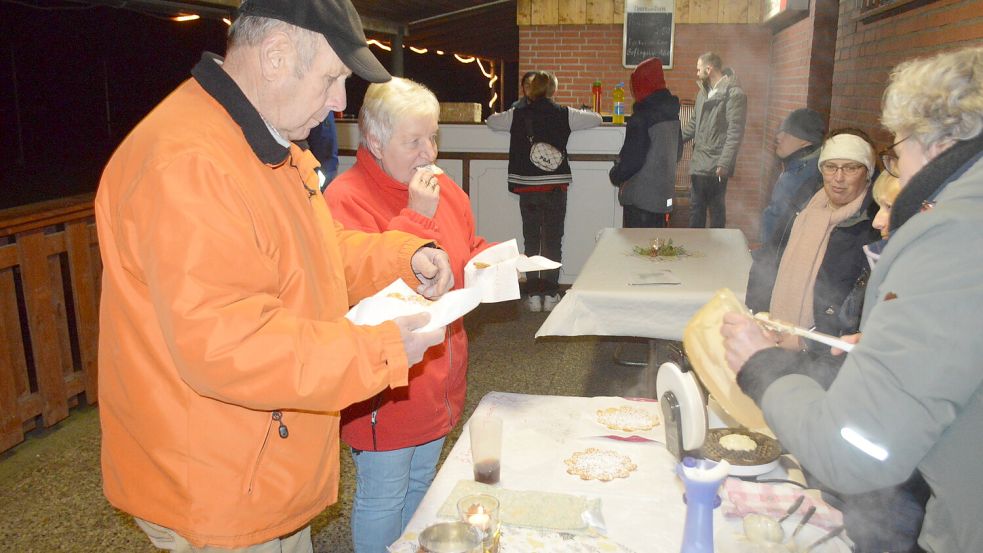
x: 59, y: 308
x: 573, y: 12
x: 523, y: 12
x: 682, y: 11
x: 732, y: 11
x: 601, y: 12
x: 704, y: 11
x: 754, y: 10
x: 41, y: 322
x: 618, y: 12
x: 545, y: 12
x: 13, y: 368
x: 84, y: 295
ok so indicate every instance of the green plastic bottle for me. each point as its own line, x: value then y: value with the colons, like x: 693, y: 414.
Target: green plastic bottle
x: 618, y: 113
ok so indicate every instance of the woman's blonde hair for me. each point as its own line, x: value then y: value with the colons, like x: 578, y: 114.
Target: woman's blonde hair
x: 886, y: 188
x: 938, y: 98
x: 385, y: 104
x: 540, y: 84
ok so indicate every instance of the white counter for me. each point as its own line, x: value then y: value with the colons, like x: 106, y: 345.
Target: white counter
x: 477, y: 159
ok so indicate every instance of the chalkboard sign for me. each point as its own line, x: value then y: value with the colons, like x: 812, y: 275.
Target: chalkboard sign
x: 648, y: 34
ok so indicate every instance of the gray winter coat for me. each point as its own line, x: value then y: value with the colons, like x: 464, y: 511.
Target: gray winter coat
x: 717, y: 127
x: 913, y: 386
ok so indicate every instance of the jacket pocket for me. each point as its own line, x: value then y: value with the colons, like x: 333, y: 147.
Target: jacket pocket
x: 259, y: 456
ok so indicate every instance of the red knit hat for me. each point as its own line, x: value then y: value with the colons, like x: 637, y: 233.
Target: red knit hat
x: 647, y: 78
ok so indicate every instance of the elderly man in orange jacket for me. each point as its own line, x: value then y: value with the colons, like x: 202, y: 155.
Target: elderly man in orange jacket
x: 224, y: 353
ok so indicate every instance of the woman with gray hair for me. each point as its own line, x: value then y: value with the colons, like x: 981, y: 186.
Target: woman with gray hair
x: 396, y: 436
x: 909, y: 396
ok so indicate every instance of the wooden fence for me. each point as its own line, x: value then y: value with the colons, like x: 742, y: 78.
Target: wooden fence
x: 49, y: 293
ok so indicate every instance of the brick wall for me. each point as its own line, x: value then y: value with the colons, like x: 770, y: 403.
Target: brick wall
x: 801, y: 75
x: 580, y: 54
x: 866, y: 52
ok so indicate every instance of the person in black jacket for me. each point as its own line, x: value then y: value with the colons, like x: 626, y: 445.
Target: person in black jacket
x: 645, y: 172
x: 539, y: 172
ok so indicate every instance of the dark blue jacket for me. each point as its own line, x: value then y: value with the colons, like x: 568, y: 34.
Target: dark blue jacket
x: 799, y: 181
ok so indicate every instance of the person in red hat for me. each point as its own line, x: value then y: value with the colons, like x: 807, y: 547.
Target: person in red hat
x: 645, y: 172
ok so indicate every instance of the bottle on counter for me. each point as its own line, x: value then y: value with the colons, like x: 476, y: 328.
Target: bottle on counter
x: 618, y: 113
x: 595, y: 91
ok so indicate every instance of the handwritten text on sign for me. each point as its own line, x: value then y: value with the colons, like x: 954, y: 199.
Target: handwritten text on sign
x: 648, y: 31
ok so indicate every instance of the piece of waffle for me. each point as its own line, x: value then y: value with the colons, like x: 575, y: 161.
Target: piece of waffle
x: 766, y: 449
x: 627, y: 418
x: 599, y: 464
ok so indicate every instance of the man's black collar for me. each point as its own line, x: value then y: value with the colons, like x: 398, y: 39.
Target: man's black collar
x: 220, y: 86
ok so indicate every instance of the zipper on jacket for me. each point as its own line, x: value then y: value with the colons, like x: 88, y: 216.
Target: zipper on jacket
x: 283, y: 430
x: 375, y: 419
x: 450, y: 369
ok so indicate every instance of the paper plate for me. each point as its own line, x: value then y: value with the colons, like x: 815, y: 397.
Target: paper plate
x: 705, y: 350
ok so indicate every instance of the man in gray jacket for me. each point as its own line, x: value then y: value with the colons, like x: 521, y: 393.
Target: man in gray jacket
x: 716, y: 129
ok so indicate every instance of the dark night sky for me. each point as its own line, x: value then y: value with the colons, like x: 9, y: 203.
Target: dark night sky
x: 78, y: 80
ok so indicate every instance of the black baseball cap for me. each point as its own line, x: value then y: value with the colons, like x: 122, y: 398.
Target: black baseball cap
x: 336, y: 20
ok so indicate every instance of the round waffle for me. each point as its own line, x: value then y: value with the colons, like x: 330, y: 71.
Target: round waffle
x: 627, y: 418
x: 599, y: 464
x: 766, y: 449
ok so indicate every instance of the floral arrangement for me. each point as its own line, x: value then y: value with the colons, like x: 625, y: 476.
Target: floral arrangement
x: 661, y: 247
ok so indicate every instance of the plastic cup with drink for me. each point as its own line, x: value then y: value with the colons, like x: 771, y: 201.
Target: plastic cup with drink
x: 486, y: 448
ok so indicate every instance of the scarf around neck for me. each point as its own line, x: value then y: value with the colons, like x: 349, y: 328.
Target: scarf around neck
x: 792, y: 296
x: 927, y: 182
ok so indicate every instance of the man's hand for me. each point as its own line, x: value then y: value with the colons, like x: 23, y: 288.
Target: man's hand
x: 417, y: 343
x: 743, y: 337
x: 433, y: 268
x: 721, y: 173
x: 424, y: 193
x: 849, y: 338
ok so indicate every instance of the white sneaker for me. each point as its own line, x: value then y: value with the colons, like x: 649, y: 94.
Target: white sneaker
x: 534, y: 303
x: 549, y: 302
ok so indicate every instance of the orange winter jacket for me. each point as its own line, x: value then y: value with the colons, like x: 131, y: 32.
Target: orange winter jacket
x: 224, y: 357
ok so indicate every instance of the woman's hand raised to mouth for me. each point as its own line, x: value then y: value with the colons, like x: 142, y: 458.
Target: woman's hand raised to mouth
x: 424, y: 191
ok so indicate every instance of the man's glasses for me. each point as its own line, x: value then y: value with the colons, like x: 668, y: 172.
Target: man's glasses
x: 890, y: 159
x: 849, y: 170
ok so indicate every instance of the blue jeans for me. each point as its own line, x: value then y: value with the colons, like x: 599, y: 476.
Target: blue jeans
x: 389, y: 486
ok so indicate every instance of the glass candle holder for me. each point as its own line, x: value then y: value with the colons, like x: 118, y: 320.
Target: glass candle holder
x: 451, y: 537
x: 482, y: 512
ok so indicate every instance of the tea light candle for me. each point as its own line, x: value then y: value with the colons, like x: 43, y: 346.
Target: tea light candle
x: 479, y: 520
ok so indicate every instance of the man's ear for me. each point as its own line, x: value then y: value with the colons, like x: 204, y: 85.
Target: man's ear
x: 277, y: 55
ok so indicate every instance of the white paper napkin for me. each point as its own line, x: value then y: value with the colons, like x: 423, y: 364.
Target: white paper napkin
x: 493, y: 271
x: 398, y: 299
x: 489, y: 277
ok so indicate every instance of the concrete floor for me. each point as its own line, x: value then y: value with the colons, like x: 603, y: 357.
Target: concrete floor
x: 50, y: 486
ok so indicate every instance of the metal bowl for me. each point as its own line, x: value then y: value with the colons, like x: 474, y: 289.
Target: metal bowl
x: 451, y: 537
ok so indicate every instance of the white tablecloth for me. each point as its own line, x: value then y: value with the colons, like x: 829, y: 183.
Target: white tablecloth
x: 601, y: 302
x: 644, y: 512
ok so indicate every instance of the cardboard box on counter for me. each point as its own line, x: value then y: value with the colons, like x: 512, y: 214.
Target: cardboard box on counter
x: 460, y: 112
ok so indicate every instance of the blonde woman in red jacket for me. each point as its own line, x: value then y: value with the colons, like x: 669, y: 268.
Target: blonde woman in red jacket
x: 396, y: 436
